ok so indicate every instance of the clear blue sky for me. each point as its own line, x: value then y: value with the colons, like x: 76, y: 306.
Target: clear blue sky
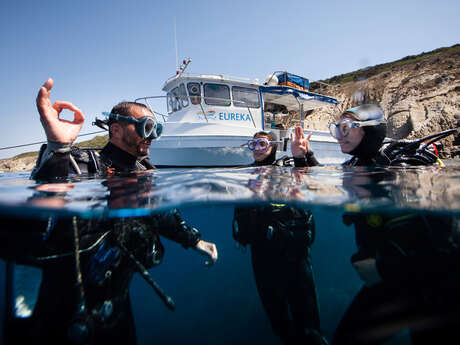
x: 102, y: 52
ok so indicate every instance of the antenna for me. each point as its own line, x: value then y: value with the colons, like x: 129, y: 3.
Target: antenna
x: 184, y: 65
x: 175, y: 45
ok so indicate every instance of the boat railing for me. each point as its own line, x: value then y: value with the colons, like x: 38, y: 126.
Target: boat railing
x: 220, y: 77
x: 147, y: 101
x: 196, y: 100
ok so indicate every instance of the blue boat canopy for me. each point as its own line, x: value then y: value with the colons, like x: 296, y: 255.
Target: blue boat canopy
x: 291, y: 98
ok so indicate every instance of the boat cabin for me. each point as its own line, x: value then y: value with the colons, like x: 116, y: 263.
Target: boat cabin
x: 238, y: 102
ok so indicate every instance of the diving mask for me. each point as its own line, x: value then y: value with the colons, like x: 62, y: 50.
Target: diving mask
x: 146, y: 127
x: 341, y: 128
x: 259, y: 144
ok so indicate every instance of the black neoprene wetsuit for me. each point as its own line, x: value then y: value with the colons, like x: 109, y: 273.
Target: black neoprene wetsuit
x: 418, y: 262
x: 107, y: 269
x: 280, y: 237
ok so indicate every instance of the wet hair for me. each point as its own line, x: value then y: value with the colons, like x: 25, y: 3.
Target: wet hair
x: 123, y: 109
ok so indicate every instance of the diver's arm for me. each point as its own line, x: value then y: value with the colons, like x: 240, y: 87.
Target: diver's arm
x: 53, y: 162
x: 172, y: 226
x: 309, y: 160
x: 300, y: 148
x: 57, y: 130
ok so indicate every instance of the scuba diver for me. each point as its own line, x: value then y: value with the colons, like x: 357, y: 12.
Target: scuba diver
x: 264, y: 146
x: 408, y: 261
x: 88, y: 264
x: 280, y: 238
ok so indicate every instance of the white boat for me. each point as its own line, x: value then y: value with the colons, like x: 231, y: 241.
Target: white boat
x: 211, y: 118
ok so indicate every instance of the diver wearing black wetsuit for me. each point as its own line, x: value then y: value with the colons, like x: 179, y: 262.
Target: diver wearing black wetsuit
x: 408, y: 261
x: 280, y: 237
x: 89, y: 302
x: 107, y: 270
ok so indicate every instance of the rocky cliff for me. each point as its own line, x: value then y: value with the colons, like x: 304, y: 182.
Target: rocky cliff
x: 419, y: 94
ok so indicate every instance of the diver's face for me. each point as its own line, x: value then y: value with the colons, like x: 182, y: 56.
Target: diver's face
x: 354, y: 137
x: 258, y: 154
x: 129, y: 140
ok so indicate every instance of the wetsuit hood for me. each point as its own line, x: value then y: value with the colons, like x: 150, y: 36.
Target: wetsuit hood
x: 371, y: 142
x: 373, y: 135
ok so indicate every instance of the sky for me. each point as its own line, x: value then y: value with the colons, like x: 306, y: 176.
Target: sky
x: 102, y: 52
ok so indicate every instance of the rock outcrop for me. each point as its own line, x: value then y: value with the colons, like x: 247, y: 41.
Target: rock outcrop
x: 419, y: 97
x: 17, y: 164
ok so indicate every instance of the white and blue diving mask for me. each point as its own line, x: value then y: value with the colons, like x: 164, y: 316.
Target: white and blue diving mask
x: 364, y: 115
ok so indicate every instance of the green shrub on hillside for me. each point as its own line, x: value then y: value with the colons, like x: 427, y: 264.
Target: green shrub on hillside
x: 377, y: 69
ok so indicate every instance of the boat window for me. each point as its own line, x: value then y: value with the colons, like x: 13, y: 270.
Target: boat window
x: 183, y: 96
x: 245, y: 97
x: 217, y: 94
x: 170, y: 102
x: 173, y: 100
x: 194, y: 91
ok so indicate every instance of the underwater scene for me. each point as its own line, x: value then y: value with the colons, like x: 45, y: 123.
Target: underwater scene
x: 326, y: 254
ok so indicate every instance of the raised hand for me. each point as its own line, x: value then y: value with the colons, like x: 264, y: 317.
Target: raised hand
x: 56, y: 129
x: 299, y: 144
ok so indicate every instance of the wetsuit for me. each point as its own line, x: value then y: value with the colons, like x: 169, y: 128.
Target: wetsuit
x: 121, y: 247
x: 280, y: 237
x: 417, y: 259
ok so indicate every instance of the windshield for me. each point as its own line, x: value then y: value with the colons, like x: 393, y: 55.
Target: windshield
x: 245, y: 97
x: 217, y: 94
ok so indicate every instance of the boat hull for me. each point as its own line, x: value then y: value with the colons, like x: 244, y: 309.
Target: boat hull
x: 219, y: 151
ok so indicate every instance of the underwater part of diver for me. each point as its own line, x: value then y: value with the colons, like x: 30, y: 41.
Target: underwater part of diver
x: 167, y: 300
x: 403, y: 151
x: 80, y: 328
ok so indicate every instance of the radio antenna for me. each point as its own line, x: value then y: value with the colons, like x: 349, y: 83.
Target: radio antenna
x: 175, y: 45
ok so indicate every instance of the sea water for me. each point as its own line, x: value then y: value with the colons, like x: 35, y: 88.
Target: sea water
x: 220, y: 304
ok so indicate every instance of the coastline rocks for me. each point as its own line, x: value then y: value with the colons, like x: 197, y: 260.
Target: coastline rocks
x: 17, y: 164
x: 418, y: 99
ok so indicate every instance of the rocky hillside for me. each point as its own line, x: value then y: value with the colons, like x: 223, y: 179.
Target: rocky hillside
x: 18, y: 163
x: 419, y: 94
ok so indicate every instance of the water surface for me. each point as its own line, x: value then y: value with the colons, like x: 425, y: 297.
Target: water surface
x: 220, y: 305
